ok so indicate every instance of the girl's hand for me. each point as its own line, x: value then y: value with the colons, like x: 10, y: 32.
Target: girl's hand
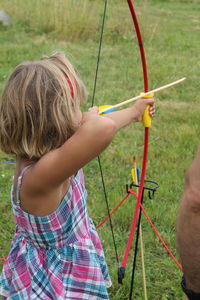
x: 139, y: 108
x: 93, y: 112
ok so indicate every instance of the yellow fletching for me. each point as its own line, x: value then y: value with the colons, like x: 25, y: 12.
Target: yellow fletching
x: 104, y: 107
x: 133, y: 176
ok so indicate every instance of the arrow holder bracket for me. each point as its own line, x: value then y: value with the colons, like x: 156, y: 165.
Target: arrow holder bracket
x: 149, y: 185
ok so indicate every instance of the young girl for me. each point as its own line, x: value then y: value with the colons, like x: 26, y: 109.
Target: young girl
x: 56, y: 252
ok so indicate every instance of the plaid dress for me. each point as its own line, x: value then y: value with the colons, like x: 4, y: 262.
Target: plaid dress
x: 58, y: 256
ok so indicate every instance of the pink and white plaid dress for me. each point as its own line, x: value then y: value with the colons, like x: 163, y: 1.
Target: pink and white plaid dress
x: 58, y: 256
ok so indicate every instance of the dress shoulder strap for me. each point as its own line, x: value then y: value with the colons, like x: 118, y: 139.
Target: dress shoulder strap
x: 19, y: 182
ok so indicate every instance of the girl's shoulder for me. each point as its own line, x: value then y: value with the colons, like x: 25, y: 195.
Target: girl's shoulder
x: 30, y: 194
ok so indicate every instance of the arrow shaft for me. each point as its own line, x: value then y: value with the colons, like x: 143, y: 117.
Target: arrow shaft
x: 145, y: 94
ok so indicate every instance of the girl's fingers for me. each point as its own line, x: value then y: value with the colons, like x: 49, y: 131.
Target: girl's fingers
x: 94, y: 109
x: 152, y: 111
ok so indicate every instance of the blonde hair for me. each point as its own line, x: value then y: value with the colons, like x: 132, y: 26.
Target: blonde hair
x: 40, y: 105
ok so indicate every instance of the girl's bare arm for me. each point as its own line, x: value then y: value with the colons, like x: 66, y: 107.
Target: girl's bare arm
x: 93, y: 136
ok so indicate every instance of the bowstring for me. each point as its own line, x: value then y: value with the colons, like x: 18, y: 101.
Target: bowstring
x: 92, y: 104
x: 99, y: 52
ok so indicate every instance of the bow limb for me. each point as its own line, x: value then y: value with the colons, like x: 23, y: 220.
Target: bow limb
x: 140, y: 44
x: 145, y: 151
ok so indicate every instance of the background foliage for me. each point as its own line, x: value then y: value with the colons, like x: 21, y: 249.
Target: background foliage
x: 170, y: 31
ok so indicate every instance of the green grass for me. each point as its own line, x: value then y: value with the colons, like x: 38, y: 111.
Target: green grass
x: 170, y: 31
